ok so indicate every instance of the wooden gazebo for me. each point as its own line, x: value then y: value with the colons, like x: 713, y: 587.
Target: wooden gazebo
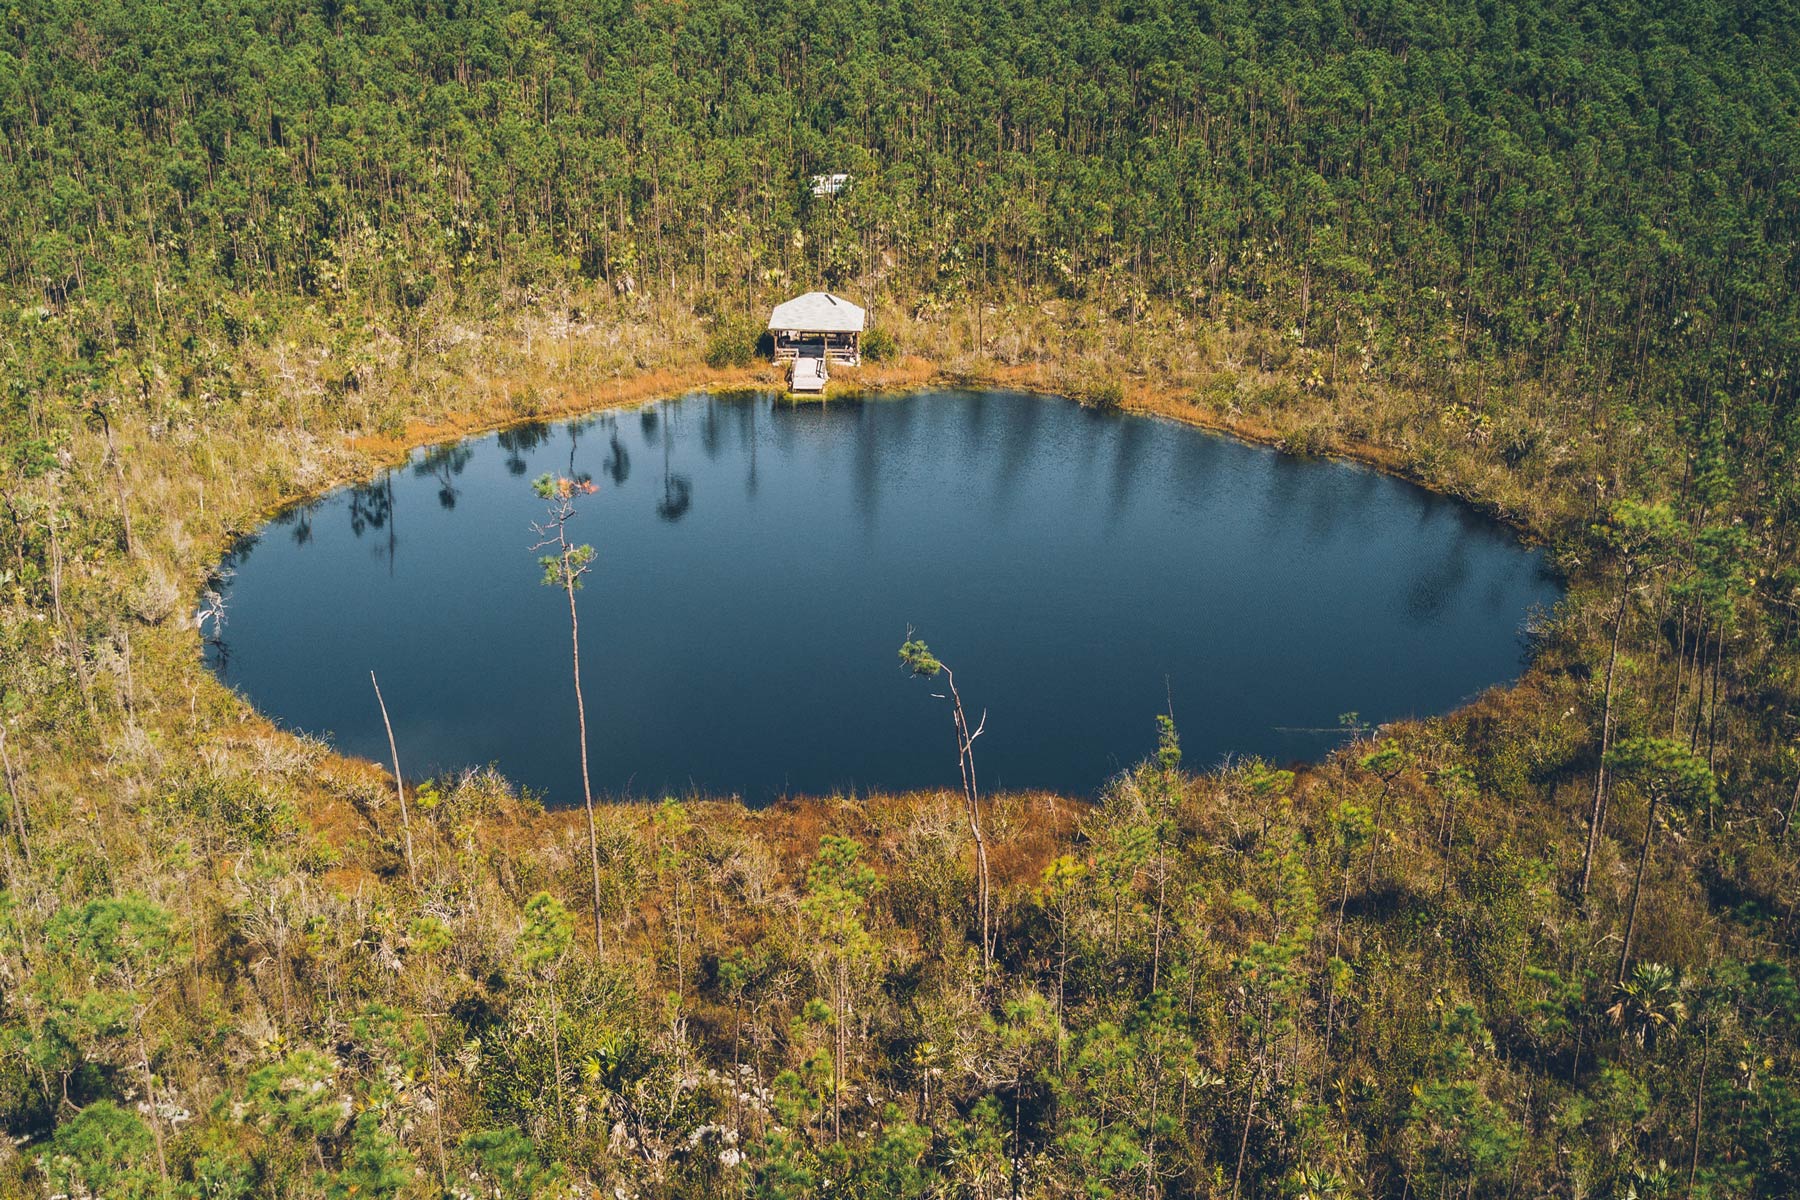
x: 817, y: 325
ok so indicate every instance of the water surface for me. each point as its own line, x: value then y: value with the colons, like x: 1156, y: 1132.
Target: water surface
x: 759, y: 563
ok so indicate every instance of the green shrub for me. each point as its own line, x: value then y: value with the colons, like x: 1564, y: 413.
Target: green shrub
x: 1308, y: 441
x: 103, y: 1150
x: 238, y: 811
x: 878, y: 345
x: 733, y: 344
x: 1102, y: 395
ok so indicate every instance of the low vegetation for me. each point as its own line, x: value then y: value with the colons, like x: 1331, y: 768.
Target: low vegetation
x: 1538, y: 259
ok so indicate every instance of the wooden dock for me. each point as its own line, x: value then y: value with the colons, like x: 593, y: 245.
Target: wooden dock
x: 809, y: 375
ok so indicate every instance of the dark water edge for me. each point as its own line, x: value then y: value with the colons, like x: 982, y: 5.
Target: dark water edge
x: 759, y: 562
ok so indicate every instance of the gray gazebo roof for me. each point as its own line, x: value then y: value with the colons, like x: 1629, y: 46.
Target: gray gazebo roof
x: 817, y: 312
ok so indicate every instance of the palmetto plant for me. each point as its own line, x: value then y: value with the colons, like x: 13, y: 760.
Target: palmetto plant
x: 1650, y: 1003
x: 1317, y: 1183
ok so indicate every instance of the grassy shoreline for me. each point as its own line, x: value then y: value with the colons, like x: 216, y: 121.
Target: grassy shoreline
x: 147, y: 776
x: 1145, y: 396
x: 194, y: 493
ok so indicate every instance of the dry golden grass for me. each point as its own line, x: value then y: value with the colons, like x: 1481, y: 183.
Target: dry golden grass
x: 298, y: 429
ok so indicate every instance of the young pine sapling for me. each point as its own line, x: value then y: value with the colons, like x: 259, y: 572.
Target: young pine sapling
x: 563, y: 568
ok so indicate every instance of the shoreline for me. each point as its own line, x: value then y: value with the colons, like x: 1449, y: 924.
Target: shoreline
x: 908, y: 376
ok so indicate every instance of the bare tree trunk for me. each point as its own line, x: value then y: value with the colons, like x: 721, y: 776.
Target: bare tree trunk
x: 13, y: 882
x: 76, y: 655
x: 1700, y: 635
x: 1149, y: 1141
x: 562, y: 1099
x: 1337, y: 942
x: 837, y: 1060
x: 1699, y: 1109
x: 1787, y: 822
x: 130, y: 684
x: 1680, y: 671
x: 1062, y: 975
x: 1162, y: 883
x: 1337, y: 935
x: 587, y: 787
x: 437, y: 1113
x: 1449, y: 845
x: 1597, y: 815
x: 680, y: 957
x: 399, y: 787
x: 1237, y: 1177
x: 17, y: 799
x: 1375, y: 840
x: 965, y: 744
x: 1712, y: 721
x: 1700, y: 692
x: 112, y: 455
x: 1637, y: 887
x: 162, y: 1160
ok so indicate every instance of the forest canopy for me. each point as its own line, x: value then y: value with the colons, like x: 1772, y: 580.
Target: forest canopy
x: 1603, y: 192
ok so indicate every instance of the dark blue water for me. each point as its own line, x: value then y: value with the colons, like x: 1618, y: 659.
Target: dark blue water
x: 759, y: 564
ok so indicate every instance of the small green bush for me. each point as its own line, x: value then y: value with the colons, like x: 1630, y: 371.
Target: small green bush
x: 733, y: 344
x: 103, y: 1150
x: 1102, y: 395
x: 878, y: 345
x: 1308, y: 441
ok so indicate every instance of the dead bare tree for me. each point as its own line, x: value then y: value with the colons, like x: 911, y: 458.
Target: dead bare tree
x: 918, y: 659
x: 399, y: 787
x: 73, y: 644
x: 1787, y: 821
x: 16, y: 798
x: 1638, y: 536
x: 98, y: 416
